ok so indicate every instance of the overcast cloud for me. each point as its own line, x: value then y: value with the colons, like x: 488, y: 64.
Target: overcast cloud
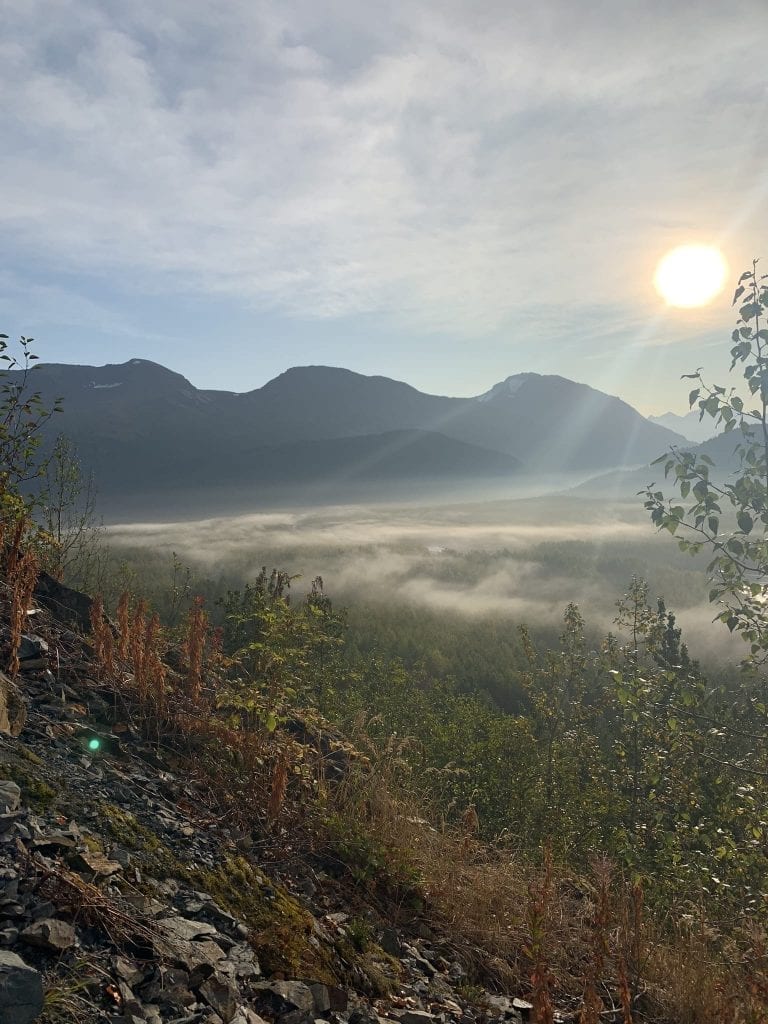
x: 455, y: 168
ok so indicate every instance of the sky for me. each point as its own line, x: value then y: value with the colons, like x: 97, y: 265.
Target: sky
x: 442, y: 192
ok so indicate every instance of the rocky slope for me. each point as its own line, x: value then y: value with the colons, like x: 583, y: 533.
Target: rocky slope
x: 123, y: 898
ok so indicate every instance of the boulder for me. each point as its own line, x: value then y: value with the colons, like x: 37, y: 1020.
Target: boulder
x: 221, y: 995
x: 295, y: 993
x: 32, y: 652
x: 66, y: 605
x: 364, y: 1015
x: 168, y: 986
x: 322, y: 998
x: 95, y: 864
x: 10, y: 796
x: 181, y: 929
x: 390, y: 942
x: 414, y: 1017
x: 13, y: 712
x: 244, y: 1015
x: 50, y: 934
x: 21, y: 990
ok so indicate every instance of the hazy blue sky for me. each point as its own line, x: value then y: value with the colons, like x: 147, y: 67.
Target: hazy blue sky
x: 444, y: 192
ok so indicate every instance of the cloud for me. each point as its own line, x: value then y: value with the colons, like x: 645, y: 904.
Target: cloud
x: 458, y: 165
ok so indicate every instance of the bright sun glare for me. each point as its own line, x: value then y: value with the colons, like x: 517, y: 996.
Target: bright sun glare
x: 691, y: 275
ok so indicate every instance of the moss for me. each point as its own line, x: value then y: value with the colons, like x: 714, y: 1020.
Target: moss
x: 34, y: 791
x: 281, y: 929
x: 153, y: 855
x: 29, y: 755
x: 381, y: 982
x: 93, y: 844
x: 40, y: 795
x: 374, y: 971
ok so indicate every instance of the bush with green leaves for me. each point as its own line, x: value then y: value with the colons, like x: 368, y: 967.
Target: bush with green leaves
x: 726, y: 513
x: 23, y: 416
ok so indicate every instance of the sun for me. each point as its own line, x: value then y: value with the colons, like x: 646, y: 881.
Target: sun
x: 691, y: 275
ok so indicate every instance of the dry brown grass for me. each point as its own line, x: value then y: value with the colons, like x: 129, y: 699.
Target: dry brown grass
x: 103, y: 641
x: 87, y: 903
x: 538, y: 950
x: 194, y: 648
x: 279, y: 787
x: 19, y: 569
x: 585, y: 943
x: 131, y: 659
x: 600, y: 925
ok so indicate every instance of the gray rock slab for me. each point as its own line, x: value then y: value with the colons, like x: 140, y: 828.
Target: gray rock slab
x: 21, y: 990
x: 244, y: 1015
x: 182, y: 929
x: 10, y: 796
x: 221, y: 995
x: 296, y: 993
x: 321, y: 997
x: 50, y: 934
x: 416, y: 1017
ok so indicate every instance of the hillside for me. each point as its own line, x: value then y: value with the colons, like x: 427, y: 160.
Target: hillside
x: 136, y: 892
x: 143, y: 429
x: 626, y: 484
x: 185, y: 837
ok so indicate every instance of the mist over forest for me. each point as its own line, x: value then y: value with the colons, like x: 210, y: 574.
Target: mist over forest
x: 511, y: 561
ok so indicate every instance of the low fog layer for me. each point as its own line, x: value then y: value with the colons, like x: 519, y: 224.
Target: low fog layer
x: 522, y: 560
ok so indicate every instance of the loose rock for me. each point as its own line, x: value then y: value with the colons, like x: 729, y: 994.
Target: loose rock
x: 50, y: 934
x: 221, y: 995
x: 10, y: 796
x: 21, y: 990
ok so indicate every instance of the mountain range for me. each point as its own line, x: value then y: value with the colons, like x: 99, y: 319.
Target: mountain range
x: 145, y: 430
x: 690, y: 426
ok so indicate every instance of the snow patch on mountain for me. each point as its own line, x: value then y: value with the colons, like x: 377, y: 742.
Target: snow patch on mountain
x: 507, y: 387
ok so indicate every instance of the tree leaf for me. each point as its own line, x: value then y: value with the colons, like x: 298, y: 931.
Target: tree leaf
x: 745, y: 521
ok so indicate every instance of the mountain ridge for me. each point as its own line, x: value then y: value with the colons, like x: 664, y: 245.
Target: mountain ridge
x: 139, y: 425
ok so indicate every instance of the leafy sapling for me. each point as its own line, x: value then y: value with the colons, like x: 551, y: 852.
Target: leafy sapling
x: 726, y: 514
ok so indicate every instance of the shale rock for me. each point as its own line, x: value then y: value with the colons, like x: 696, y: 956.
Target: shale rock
x: 10, y: 796
x: 21, y: 990
x: 221, y: 995
x: 50, y: 934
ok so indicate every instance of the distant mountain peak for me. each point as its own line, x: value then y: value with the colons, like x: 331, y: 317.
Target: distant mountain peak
x: 332, y: 380
x: 509, y: 386
x: 689, y: 425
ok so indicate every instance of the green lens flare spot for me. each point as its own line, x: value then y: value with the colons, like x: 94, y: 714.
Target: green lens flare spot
x: 94, y: 744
